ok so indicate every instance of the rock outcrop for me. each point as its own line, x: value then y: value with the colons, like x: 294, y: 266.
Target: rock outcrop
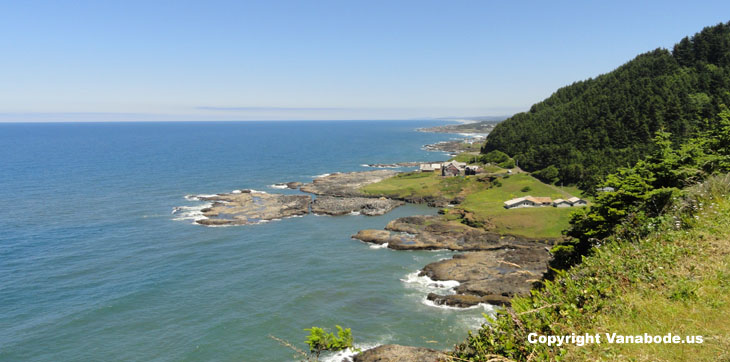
x: 494, y: 268
x: 330, y: 205
x: 398, y: 353
x: 489, y: 276
x: 399, y: 164
x: 345, y: 184
x: 430, y: 232
x: 247, y: 207
x: 338, y: 195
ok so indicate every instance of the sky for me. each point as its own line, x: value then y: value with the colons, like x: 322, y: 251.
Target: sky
x: 317, y: 60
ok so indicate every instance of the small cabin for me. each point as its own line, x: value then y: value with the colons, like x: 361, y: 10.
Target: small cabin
x: 519, y: 202
x: 577, y: 201
x: 541, y: 201
x: 429, y: 167
x: 450, y: 170
x: 561, y: 203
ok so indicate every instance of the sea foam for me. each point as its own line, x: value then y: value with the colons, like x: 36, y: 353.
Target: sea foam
x: 426, y: 284
x: 193, y: 213
x: 348, y: 354
x: 378, y: 246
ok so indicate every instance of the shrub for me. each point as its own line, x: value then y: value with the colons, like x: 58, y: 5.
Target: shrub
x: 319, y: 340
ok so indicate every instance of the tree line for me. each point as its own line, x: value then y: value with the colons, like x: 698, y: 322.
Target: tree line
x: 590, y: 128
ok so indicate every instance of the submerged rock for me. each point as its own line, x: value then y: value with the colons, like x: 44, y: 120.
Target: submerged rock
x: 345, y: 184
x: 330, y: 205
x: 467, y: 300
x: 247, y: 207
x: 398, y: 353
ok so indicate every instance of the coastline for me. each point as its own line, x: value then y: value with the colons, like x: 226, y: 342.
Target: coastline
x: 505, y: 273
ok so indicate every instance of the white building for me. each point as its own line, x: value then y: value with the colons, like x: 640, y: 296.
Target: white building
x: 519, y: 202
x: 577, y: 201
x: 561, y: 203
x: 430, y: 167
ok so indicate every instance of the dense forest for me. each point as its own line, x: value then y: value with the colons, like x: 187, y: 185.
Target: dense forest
x: 590, y: 128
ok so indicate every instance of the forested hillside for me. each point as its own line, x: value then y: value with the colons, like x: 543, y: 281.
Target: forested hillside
x: 587, y: 130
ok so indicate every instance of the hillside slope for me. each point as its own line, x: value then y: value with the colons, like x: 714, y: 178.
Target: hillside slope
x: 677, y: 280
x: 591, y: 127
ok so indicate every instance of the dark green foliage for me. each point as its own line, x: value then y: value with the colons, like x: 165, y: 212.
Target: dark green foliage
x: 498, y: 158
x: 526, y: 189
x: 644, y: 191
x: 548, y: 174
x: 591, y: 128
x: 495, y: 157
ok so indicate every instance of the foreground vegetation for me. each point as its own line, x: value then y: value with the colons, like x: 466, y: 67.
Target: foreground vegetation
x: 676, y: 280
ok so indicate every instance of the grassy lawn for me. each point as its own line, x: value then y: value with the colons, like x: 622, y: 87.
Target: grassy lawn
x: 493, y: 169
x: 531, y: 222
x: 425, y: 184
x: 468, y: 157
x: 487, y: 203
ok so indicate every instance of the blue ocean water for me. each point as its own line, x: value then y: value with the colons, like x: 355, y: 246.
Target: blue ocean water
x: 93, y: 265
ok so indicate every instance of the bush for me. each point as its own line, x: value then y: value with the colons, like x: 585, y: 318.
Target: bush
x: 319, y: 340
x: 548, y: 174
x: 526, y: 189
x: 507, y: 164
x: 495, y: 156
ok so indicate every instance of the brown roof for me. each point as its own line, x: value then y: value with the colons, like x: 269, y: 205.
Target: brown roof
x: 540, y: 200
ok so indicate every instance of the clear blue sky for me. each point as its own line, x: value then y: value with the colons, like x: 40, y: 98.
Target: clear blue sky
x: 225, y: 60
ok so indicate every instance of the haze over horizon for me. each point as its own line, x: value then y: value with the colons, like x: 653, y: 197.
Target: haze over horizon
x: 324, y: 60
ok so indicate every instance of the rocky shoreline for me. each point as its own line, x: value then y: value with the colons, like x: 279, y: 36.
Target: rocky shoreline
x: 454, y: 147
x: 473, y: 126
x: 493, y: 269
x: 490, y: 268
x: 249, y: 207
x: 345, y: 184
x: 398, y: 353
x: 336, y: 194
x: 330, y: 205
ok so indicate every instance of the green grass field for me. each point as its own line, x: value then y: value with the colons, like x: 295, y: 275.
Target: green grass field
x: 486, y: 203
x: 425, y: 184
x: 531, y: 222
x: 468, y: 157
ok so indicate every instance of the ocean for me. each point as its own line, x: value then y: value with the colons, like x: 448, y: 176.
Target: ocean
x: 95, y: 266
